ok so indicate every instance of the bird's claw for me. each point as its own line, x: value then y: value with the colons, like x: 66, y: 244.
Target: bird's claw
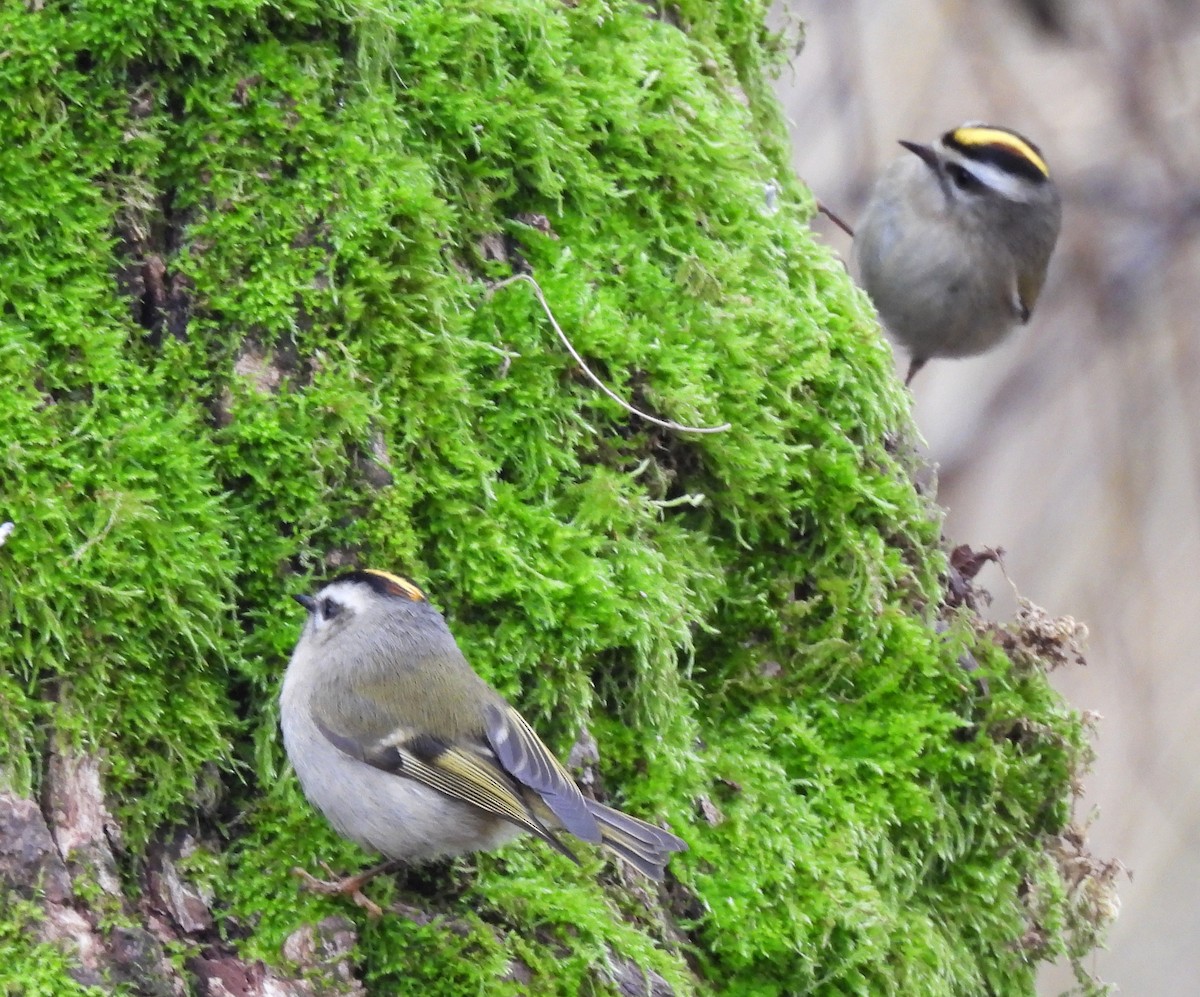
x: 349, y: 886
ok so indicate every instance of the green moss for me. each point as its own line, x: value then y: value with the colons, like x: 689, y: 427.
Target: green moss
x: 32, y: 968
x: 743, y: 616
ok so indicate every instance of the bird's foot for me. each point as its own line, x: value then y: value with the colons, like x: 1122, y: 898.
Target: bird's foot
x: 348, y: 886
x: 914, y: 365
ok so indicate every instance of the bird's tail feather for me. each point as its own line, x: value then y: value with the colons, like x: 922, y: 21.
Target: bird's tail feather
x: 645, y: 847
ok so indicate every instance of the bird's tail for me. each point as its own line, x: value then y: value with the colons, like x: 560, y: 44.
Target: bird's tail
x: 645, y: 847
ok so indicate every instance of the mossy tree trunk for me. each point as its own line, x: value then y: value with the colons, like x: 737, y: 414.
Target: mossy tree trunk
x: 250, y: 336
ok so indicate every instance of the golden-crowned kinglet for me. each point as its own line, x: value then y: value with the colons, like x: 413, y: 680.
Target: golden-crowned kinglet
x: 411, y: 754
x: 955, y: 241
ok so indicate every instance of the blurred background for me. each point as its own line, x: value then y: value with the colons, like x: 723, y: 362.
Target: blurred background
x: 1076, y: 445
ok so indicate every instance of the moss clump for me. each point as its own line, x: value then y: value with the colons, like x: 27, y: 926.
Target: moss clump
x: 30, y: 967
x: 248, y: 337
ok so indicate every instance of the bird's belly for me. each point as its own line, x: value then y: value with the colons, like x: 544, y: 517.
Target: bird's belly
x: 935, y: 302
x: 937, y: 305
x: 390, y: 814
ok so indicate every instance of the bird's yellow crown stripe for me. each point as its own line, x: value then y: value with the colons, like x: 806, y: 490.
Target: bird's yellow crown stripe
x: 979, y: 135
x: 401, y: 586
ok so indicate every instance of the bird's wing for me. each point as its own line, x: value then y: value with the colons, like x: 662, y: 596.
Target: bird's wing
x: 470, y: 777
x: 525, y: 758
x: 1026, y: 289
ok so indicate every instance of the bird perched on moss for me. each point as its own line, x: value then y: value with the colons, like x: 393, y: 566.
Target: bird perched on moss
x: 409, y: 753
x: 955, y: 241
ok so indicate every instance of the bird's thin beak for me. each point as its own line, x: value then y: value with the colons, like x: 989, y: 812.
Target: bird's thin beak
x: 923, y: 152
x: 307, y: 601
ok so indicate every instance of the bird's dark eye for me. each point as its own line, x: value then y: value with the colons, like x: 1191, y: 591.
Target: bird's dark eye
x: 328, y: 608
x: 963, y: 178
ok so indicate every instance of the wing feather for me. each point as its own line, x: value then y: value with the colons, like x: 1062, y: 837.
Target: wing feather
x: 1025, y: 294
x: 525, y: 758
x: 473, y: 778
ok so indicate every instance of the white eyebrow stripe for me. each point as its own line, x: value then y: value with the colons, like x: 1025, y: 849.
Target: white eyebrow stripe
x: 1005, y: 184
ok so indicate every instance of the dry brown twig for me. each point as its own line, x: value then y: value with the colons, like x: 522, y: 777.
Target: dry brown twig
x: 844, y: 226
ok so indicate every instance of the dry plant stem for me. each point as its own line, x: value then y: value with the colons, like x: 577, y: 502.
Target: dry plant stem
x: 350, y: 886
x: 835, y: 219
x: 666, y: 424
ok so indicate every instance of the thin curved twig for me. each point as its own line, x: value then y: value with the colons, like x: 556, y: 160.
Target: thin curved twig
x: 664, y: 423
x: 823, y: 209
